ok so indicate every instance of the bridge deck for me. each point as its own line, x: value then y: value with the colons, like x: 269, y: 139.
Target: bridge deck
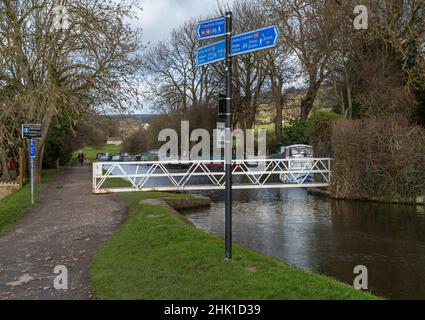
x: 202, y: 175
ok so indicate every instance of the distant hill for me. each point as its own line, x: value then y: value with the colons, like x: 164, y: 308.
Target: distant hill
x: 143, y: 118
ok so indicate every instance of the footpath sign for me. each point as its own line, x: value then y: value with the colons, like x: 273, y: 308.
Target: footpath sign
x: 231, y: 46
x: 211, y: 53
x: 211, y: 28
x: 32, y: 132
x: 255, y: 40
x: 32, y: 149
x: 251, y: 41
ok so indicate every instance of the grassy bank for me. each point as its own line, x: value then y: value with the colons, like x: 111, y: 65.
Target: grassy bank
x: 156, y: 255
x: 90, y: 152
x: 14, y: 206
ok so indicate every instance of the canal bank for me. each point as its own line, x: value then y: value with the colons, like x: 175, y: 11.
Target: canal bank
x: 329, y: 236
x: 157, y: 255
x: 413, y: 200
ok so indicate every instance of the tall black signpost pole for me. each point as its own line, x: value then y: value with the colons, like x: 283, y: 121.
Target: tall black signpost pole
x: 251, y: 41
x: 228, y: 138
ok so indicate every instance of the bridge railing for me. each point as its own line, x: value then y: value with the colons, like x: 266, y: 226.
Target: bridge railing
x: 209, y: 175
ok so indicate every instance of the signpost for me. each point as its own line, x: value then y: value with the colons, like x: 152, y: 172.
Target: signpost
x: 211, y: 28
x: 32, y: 160
x: 32, y: 132
x: 213, y: 52
x: 251, y: 41
x: 255, y: 40
x: 231, y: 46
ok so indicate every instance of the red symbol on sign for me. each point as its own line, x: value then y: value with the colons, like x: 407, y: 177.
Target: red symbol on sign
x: 256, y: 35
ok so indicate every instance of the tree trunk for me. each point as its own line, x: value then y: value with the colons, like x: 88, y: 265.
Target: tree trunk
x: 5, y: 169
x: 278, y: 102
x: 278, y: 122
x: 40, y: 146
x: 307, y: 102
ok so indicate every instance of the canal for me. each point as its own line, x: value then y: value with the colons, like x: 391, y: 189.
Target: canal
x: 329, y: 237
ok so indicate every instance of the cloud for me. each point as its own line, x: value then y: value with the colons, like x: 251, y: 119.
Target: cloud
x: 160, y: 17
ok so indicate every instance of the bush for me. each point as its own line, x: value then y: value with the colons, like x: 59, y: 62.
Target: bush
x: 294, y: 133
x: 378, y: 158
x: 136, y: 142
x: 318, y: 130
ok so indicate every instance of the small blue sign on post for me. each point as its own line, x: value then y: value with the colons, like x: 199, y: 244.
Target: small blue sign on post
x: 211, y: 53
x: 255, y: 40
x: 32, y: 149
x: 32, y: 160
x: 211, y: 28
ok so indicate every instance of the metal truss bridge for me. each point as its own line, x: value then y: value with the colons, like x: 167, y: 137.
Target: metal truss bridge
x: 209, y: 175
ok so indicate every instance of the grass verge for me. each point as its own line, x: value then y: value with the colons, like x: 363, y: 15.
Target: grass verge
x: 90, y: 152
x: 156, y: 255
x: 15, y: 206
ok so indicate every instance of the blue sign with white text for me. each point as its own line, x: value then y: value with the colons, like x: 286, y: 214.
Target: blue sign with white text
x: 32, y: 149
x: 255, y: 40
x: 251, y: 41
x: 211, y: 28
x: 211, y: 53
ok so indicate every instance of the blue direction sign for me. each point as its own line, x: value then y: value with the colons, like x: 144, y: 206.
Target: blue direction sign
x: 32, y: 149
x: 255, y: 40
x: 211, y: 53
x: 251, y: 41
x: 211, y: 28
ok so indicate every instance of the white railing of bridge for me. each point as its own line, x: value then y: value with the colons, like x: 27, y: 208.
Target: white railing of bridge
x: 209, y: 175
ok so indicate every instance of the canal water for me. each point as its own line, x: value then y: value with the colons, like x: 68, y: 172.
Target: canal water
x: 329, y: 237
x: 323, y: 235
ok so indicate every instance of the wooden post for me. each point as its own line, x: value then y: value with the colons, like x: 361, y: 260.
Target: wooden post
x: 22, y: 168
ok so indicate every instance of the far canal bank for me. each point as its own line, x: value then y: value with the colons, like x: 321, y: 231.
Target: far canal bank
x: 329, y: 236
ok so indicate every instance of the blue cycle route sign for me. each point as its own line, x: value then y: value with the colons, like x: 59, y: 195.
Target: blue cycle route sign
x: 211, y: 28
x: 250, y: 41
x: 255, y: 40
x: 32, y: 149
x: 211, y: 53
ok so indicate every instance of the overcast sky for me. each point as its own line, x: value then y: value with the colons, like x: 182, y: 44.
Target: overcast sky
x: 160, y: 17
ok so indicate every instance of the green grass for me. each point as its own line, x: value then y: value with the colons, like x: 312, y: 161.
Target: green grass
x: 116, y: 183
x: 16, y: 205
x: 90, y: 152
x: 268, y: 127
x: 157, y: 255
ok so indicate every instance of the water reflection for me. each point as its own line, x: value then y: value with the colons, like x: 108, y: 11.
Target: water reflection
x: 330, y: 237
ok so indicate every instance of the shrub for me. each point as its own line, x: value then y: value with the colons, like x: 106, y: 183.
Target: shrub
x: 294, y: 133
x: 378, y: 158
x: 318, y: 131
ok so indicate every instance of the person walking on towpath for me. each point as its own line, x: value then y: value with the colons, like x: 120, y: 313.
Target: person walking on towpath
x: 81, y: 158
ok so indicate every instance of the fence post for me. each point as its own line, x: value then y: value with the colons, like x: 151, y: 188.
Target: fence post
x: 22, y: 168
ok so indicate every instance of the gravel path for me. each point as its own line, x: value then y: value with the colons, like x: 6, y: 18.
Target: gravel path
x: 67, y: 228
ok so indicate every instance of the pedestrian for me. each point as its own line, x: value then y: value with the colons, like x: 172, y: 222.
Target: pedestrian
x: 81, y: 158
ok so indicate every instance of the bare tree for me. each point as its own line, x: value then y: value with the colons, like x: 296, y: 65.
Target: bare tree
x: 89, y: 63
x: 377, y: 70
x: 174, y: 82
x: 307, y: 27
